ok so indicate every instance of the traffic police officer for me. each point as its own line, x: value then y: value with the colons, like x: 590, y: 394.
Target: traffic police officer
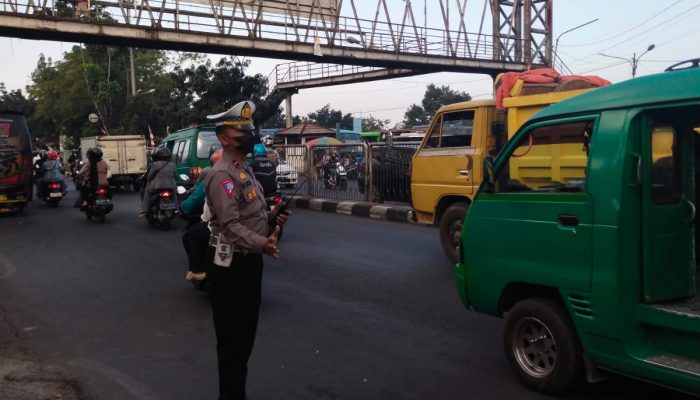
x: 240, y: 236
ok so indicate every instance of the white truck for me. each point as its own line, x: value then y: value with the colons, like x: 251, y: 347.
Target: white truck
x: 125, y: 154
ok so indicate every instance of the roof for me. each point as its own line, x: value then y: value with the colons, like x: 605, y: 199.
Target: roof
x: 468, y: 104
x: 652, y: 89
x: 187, y: 132
x: 307, y: 129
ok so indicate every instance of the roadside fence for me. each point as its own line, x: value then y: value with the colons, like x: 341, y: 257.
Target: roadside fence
x: 353, y: 171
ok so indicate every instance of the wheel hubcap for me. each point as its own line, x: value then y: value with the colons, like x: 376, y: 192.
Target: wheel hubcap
x: 534, y: 348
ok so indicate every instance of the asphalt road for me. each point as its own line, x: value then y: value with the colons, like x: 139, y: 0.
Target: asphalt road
x: 354, y: 309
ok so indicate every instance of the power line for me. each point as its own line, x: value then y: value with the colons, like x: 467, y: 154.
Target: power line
x: 598, y: 69
x: 685, y: 14
x: 613, y: 36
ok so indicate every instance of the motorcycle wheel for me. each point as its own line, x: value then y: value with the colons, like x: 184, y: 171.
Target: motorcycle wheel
x: 165, y: 225
x: 101, y: 218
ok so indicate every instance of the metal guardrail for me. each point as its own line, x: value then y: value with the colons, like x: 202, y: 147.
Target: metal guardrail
x: 377, y: 172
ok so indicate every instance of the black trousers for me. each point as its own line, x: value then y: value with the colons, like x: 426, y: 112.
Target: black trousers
x: 196, y: 243
x: 235, y: 303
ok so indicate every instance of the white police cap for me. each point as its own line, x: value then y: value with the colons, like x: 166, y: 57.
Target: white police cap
x: 239, y: 116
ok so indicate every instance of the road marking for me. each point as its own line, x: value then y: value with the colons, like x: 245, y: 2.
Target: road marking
x: 7, y: 267
x: 131, y: 385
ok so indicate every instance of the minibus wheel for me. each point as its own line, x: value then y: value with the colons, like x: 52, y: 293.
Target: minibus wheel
x: 450, y: 229
x: 542, y: 346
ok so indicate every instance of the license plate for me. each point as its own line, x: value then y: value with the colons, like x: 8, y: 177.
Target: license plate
x: 56, y: 194
x: 167, y: 206
x: 101, y: 202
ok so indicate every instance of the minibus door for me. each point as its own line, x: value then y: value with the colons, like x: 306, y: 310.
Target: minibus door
x: 668, y: 210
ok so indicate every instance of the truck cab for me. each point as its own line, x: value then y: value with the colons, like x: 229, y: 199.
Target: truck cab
x: 583, y: 236
x: 446, y: 170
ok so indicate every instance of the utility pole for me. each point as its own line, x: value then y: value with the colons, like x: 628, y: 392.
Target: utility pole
x: 634, y: 62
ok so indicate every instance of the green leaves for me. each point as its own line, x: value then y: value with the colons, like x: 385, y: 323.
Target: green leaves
x: 173, y: 91
x: 434, y: 98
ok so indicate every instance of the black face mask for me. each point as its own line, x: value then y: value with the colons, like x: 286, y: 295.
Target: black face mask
x: 247, y: 142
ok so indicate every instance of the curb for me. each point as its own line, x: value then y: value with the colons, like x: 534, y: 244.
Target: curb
x: 356, y: 208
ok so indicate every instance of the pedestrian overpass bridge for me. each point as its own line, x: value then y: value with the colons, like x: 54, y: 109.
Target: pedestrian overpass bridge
x: 511, y: 35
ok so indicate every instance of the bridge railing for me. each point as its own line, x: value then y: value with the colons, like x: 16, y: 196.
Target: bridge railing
x: 223, y: 19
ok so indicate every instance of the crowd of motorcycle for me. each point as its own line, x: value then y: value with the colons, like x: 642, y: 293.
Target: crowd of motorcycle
x: 161, y: 203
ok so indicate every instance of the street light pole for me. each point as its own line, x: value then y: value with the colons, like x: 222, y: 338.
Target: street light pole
x: 556, y: 44
x: 634, y: 62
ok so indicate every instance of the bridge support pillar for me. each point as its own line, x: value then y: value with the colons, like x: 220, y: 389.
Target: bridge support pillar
x: 288, y: 109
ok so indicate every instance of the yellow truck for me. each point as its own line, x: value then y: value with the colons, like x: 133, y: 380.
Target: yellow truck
x: 446, y: 171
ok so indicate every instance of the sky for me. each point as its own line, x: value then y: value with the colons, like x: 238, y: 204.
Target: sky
x: 623, y: 29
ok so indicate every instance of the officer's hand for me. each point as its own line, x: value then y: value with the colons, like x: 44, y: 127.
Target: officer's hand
x: 281, y: 217
x: 270, y: 246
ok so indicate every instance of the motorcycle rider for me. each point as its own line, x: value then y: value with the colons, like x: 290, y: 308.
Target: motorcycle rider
x: 264, y: 170
x: 195, y: 238
x: 93, y: 174
x: 328, y: 162
x: 51, y: 171
x: 160, y: 176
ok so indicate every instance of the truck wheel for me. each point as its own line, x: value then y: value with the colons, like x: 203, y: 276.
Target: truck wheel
x: 542, y: 346
x: 450, y: 228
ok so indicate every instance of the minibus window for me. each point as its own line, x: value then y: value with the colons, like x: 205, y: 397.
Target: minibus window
x: 551, y: 158
x: 665, y: 173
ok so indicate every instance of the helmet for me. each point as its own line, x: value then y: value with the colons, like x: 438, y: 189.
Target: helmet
x: 161, y: 154
x: 53, y: 155
x: 94, y: 154
x: 215, y: 157
x: 259, y: 150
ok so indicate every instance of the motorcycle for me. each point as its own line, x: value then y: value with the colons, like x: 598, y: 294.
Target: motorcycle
x: 99, y: 204
x: 337, y: 177
x: 162, y: 210
x: 75, y: 168
x: 51, y: 192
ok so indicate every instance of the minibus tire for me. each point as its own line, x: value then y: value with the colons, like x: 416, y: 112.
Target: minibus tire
x: 453, y: 216
x: 567, y: 371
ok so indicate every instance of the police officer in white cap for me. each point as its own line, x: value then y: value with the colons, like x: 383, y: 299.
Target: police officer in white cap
x: 240, y: 236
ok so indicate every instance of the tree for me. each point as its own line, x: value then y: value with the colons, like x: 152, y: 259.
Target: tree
x: 13, y: 100
x: 374, y: 124
x: 176, y: 90
x: 434, y: 98
x: 328, y: 118
x: 415, y: 115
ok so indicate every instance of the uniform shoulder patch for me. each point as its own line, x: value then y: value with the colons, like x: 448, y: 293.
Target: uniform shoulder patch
x: 228, y: 186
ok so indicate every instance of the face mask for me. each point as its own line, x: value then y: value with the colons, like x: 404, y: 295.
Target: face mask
x: 247, y: 142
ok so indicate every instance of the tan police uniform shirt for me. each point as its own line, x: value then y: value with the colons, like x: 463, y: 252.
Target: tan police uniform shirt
x: 237, y: 204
